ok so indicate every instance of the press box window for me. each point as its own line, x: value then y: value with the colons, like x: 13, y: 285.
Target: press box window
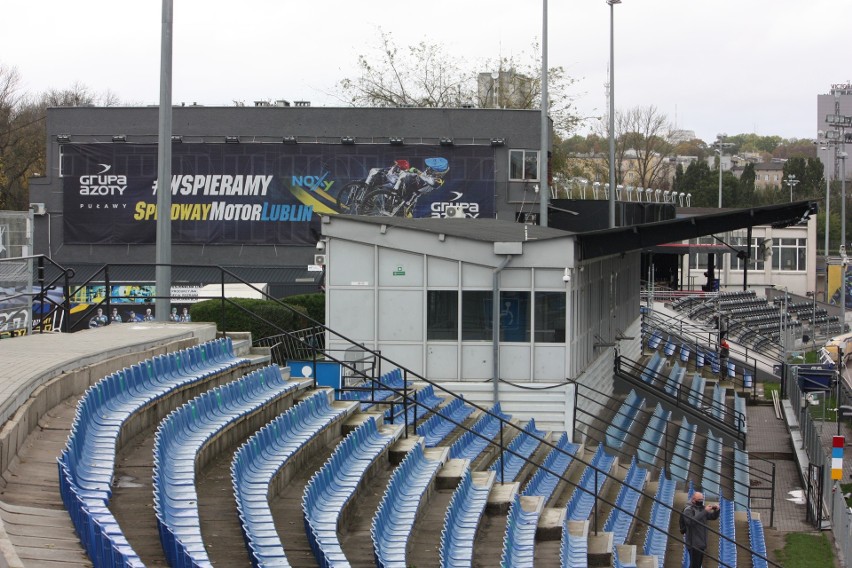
x: 523, y: 165
x: 550, y: 317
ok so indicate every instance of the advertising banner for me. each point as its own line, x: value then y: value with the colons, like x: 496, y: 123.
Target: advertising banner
x: 264, y: 194
x: 835, y: 282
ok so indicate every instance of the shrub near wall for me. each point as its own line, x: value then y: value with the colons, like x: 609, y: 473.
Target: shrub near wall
x: 244, y: 314
x: 313, y: 303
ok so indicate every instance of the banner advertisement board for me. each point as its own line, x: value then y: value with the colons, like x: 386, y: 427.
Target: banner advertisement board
x: 264, y: 194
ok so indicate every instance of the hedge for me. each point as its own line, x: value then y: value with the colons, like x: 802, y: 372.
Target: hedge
x: 244, y: 314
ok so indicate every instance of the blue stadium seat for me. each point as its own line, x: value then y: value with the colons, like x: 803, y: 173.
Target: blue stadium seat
x: 462, y: 519
x: 545, y: 480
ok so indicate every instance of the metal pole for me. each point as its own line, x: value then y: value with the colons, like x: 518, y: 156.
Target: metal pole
x: 720, y: 173
x: 612, y: 181
x: 163, y: 271
x: 843, y: 201
x: 545, y: 131
x: 827, y: 216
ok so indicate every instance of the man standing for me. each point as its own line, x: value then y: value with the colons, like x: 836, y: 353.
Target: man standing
x: 693, y: 526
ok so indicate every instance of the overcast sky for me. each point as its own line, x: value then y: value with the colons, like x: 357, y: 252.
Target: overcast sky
x: 732, y: 66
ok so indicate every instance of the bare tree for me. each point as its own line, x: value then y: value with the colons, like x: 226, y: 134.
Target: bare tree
x: 22, y: 132
x: 641, y: 148
x: 424, y: 75
x: 421, y: 75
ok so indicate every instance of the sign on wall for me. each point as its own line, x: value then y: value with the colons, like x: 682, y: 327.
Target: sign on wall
x: 264, y: 193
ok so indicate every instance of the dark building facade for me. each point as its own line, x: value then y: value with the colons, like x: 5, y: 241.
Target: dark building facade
x: 250, y: 185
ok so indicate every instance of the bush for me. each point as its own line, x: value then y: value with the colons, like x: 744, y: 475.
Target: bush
x: 314, y: 304
x: 244, y: 314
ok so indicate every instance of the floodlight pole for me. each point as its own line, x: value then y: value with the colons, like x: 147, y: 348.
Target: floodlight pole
x: 612, y: 180
x: 543, y: 159
x: 163, y: 271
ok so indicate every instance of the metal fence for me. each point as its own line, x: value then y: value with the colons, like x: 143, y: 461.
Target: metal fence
x: 827, y: 502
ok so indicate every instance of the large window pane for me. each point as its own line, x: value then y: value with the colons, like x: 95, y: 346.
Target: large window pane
x: 476, y: 316
x: 515, y: 316
x: 550, y: 317
x: 523, y: 165
x: 442, y: 315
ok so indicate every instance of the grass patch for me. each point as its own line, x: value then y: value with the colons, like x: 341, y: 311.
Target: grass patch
x: 768, y: 388
x: 825, y: 409
x: 803, y: 550
x: 846, y: 488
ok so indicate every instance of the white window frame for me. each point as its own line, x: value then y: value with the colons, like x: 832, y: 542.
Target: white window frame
x: 524, y: 154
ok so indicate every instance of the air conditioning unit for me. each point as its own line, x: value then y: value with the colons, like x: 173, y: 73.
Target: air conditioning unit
x: 39, y: 209
x: 454, y: 212
x: 319, y: 259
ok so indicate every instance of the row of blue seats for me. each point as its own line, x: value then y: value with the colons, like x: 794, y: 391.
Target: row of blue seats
x: 510, y: 463
x: 389, y: 385
x: 740, y: 413
x: 742, y: 480
x: 757, y: 541
x: 711, y: 474
x: 594, y: 476
x: 439, y: 425
x: 519, y: 538
x: 649, y: 445
x: 727, y: 546
x: 684, y: 446
x: 696, y: 391
x: 86, y: 465
x: 701, y: 356
x: 656, y: 538
x: 461, y: 521
x: 546, y: 478
x: 718, y: 409
x: 471, y: 444
x: 652, y: 367
x: 260, y: 459
x: 574, y: 549
x: 177, y: 442
x: 621, y: 517
x: 675, y: 379
x: 623, y: 420
x: 427, y: 399
x: 394, y: 519
x: 331, y: 488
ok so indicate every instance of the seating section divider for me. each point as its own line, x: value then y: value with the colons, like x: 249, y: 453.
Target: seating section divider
x: 656, y: 538
x: 260, y: 459
x: 178, y: 442
x: 443, y: 421
x: 543, y: 483
x: 524, y: 444
x: 332, y: 487
x: 519, y: 538
x: 469, y: 445
x: 87, y: 463
x: 397, y: 512
x: 462, y: 520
